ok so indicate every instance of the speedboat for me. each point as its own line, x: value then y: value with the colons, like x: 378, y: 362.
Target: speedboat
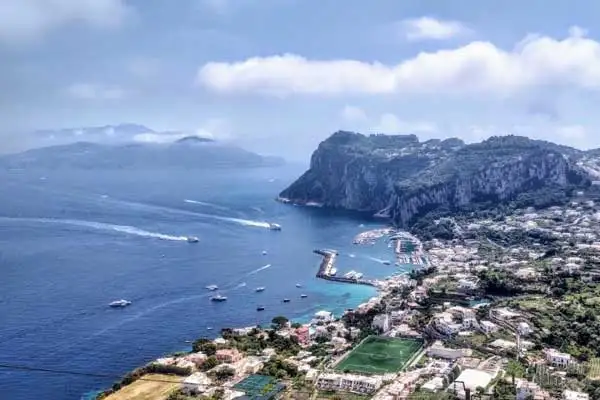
x: 212, y: 287
x: 303, y: 296
x: 259, y: 289
x: 274, y: 227
x: 209, y: 328
x: 119, y: 303
x: 298, y: 285
x: 192, y: 239
x: 286, y: 300
x: 387, y: 263
x: 218, y: 298
x: 260, y: 308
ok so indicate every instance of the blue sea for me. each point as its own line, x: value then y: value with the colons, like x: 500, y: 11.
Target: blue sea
x: 73, y: 241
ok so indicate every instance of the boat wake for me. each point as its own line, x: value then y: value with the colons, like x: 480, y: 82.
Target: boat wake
x: 379, y: 260
x: 203, y: 203
x: 248, y: 222
x: 129, y: 230
x: 241, y: 285
x: 259, y: 269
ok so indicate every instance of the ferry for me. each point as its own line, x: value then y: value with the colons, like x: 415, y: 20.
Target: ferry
x: 212, y: 287
x: 119, y: 303
x: 274, y: 227
x: 192, y: 239
x: 218, y: 298
x: 259, y: 289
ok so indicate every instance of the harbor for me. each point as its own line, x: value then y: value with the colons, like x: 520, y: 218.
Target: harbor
x: 328, y: 271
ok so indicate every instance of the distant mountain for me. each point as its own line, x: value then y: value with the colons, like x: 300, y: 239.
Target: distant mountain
x: 403, y: 179
x: 188, y: 152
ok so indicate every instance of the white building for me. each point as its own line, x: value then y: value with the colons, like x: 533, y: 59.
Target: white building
x: 198, y: 382
x: 434, y: 385
x: 505, y: 314
x: 444, y: 323
x: 438, y: 350
x: 526, y: 389
x: 573, y: 395
x: 381, y: 322
x: 488, y: 326
x: 472, y: 379
x: 348, y: 383
x: 558, y: 359
x: 524, y: 329
x: 323, y: 316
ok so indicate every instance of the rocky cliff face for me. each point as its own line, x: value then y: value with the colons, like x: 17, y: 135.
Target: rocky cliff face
x: 402, y: 178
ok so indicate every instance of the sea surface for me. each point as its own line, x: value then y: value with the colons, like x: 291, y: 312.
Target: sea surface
x: 73, y: 241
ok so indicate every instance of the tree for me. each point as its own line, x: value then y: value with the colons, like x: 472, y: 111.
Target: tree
x: 514, y: 369
x: 279, y: 322
x: 205, y: 346
x: 210, y: 363
x: 224, y: 373
x: 296, y: 325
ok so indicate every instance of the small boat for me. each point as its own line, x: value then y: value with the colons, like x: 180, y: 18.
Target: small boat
x: 298, y: 285
x: 119, y: 303
x: 303, y: 296
x: 259, y: 289
x: 264, y: 253
x: 218, y: 298
x: 209, y: 328
x: 192, y: 239
x: 274, y: 227
x: 387, y: 263
x: 332, y: 271
x: 358, y: 275
x: 260, y: 308
x: 212, y: 287
x: 286, y: 300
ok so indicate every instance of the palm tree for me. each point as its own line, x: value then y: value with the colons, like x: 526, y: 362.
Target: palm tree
x: 514, y: 369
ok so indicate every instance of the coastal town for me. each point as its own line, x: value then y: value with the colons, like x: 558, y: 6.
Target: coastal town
x: 496, y: 306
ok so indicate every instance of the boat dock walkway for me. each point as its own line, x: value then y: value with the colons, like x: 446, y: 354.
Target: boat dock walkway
x: 326, y: 267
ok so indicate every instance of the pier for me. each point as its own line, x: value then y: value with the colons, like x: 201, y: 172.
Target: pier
x: 326, y: 266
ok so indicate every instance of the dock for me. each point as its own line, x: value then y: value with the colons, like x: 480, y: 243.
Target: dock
x: 326, y: 267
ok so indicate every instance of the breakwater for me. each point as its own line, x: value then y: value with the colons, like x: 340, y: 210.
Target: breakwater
x: 327, y: 271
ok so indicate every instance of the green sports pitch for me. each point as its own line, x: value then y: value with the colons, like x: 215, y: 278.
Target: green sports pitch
x: 380, y: 355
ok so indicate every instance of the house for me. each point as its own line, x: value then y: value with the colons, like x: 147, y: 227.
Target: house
x: 469, y: 323
x: 504, y: 314
x: 349, y: 383
x: 434, y: 384
x: 302, y: 334
x: 381, y: 322
x: 228, y: 356
x: 526, y: 389
x: 488, y: 326
x: 557, y: 359
x: 198, y: 382
x: 573, y: 395
x: 444, y: 323
x: 438, y: 350
x: 524, y: 329
x: 196, y: 358
x: 323, y: 316
x: 253, y: 365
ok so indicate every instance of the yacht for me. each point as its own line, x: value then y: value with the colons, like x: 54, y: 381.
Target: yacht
x: 260, y: 308
x: 332, y: 271
x: 350, y: 274
x: 119, y: 303
x: 303, y: 296
x: 192, y: 239
x: 212, y: 287
x: 286, y: 300
x: 259, y: 289
x: 218, y: 298
x: 274, y: 227
x: 358, y: 275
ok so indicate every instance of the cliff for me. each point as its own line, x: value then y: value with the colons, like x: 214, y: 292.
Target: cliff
x: 401, y: 178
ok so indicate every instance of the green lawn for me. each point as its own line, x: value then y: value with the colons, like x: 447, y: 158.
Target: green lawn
x: 380, y: 355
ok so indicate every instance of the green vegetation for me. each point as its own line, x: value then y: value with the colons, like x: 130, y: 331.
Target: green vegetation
x: 279, y: 368
x: 380, y: 355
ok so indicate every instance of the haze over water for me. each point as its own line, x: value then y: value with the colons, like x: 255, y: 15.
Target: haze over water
x: 71, y: 242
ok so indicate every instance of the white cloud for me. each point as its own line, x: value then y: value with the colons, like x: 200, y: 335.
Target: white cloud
x: 353, y: 114
x: 390, y: 123
x: 90, y: 91
x: 427, y: 28
x: 27, y: 20
x: 159, y: 138
x: 214, y: 128
x: 478, y: 67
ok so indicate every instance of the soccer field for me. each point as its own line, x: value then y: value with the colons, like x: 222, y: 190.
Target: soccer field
x: 380, y: 355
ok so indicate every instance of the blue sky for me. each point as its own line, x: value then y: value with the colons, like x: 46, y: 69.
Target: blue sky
x: 278, y: 76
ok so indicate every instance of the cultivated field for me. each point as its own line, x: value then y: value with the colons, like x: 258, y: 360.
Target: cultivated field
x: 151, y: 387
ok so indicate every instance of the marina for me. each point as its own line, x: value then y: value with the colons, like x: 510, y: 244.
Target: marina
x: 328, y: 271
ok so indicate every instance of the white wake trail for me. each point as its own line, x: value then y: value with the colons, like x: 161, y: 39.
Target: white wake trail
x: 203, y: 203
x: 259, y: 269
x: 126, y: 229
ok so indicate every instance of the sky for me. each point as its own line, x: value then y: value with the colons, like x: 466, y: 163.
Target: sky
x: 279, y: 76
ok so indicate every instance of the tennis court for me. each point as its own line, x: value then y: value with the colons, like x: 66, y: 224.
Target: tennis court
x: 259, y: 387
x: 380, y: 355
